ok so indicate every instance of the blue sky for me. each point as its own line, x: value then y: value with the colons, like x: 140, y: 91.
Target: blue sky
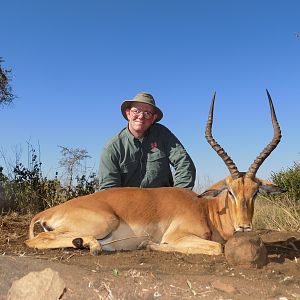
x: 74, y: 62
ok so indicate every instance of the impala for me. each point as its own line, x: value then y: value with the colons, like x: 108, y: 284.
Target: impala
x: 163, y: 219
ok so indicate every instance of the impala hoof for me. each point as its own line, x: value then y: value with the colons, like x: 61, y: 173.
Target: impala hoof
x: 78, y: 243
x: 95, y: 251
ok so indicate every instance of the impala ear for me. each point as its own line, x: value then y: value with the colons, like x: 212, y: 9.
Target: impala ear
x: 209, y: 194
x: 270, y: 188
x: 214, y: 190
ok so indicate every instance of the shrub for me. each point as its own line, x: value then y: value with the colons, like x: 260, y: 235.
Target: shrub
x: 290, y: 180
x: 85, y: 185
x: 29, y: 192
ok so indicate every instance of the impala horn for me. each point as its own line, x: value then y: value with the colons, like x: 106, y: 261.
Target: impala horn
x: 270, y: 147
x: 220, y: 151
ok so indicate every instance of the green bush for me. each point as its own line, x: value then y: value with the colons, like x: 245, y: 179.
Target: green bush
x: 85, y: 185
x: 290, y: 180
x: 28, y: 191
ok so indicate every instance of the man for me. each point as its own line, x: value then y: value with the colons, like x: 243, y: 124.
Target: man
x: 142, y: 154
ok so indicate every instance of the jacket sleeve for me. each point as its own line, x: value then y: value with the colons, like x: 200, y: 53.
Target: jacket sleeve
x: 109, y: 170
x: 185, y: 171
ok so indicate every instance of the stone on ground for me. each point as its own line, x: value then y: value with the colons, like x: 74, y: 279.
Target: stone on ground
x: 46, y: 284
x: 246, y: 251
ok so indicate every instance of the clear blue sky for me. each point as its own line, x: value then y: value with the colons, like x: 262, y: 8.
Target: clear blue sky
x: 74, y: 62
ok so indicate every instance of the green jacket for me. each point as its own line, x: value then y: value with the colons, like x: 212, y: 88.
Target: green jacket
x: 127, y: 161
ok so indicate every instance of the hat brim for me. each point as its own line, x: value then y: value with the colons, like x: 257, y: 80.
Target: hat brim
x: 127, y: 103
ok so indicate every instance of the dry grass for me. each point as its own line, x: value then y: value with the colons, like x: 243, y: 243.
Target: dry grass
x: 280, y: 213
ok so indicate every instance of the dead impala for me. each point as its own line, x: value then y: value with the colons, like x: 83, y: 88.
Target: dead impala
x: 163, y: 219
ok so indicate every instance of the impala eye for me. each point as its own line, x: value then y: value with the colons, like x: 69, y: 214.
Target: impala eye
x: 230, y: 194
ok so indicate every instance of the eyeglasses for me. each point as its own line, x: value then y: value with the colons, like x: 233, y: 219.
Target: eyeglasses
x: 137, y: 111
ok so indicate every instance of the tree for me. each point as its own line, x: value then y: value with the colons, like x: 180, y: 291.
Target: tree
x: 71, y: 161
x: 6, y: 95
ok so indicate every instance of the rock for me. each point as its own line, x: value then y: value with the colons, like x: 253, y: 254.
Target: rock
x: 46, y: 284
x: 246, y: 251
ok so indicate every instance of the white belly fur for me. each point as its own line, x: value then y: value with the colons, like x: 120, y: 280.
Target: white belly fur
x: 127, y: 237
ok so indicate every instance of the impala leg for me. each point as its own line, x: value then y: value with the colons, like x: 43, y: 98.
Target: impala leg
x: 50, y: 240
x: 189, y: 245
x: 53, y: 240
x: 88, y: 242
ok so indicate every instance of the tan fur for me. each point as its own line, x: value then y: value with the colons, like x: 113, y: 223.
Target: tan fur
x: 165, y: 219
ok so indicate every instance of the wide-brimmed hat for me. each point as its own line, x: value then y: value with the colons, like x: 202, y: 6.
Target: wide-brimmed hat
x: 143, y: 98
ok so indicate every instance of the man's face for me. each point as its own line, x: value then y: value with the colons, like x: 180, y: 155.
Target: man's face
x: 140, y: 117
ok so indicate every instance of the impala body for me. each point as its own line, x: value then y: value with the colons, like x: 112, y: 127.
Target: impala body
x: 163, y: 219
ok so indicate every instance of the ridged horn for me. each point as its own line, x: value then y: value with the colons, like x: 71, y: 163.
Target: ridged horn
x: 220, y: 151
x: 270, y: 147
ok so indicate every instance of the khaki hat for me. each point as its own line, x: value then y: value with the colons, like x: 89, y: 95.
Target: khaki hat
x: 144, y: 98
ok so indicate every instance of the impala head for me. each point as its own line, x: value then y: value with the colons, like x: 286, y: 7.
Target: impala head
x: 242, y: 187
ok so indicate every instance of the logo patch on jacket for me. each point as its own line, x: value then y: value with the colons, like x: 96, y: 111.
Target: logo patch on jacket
x: 154, y: 146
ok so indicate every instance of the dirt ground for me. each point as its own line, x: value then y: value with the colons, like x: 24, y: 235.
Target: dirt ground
x: 145, y: 274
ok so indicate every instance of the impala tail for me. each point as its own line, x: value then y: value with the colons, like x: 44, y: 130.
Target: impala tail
x: 35, y: 219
